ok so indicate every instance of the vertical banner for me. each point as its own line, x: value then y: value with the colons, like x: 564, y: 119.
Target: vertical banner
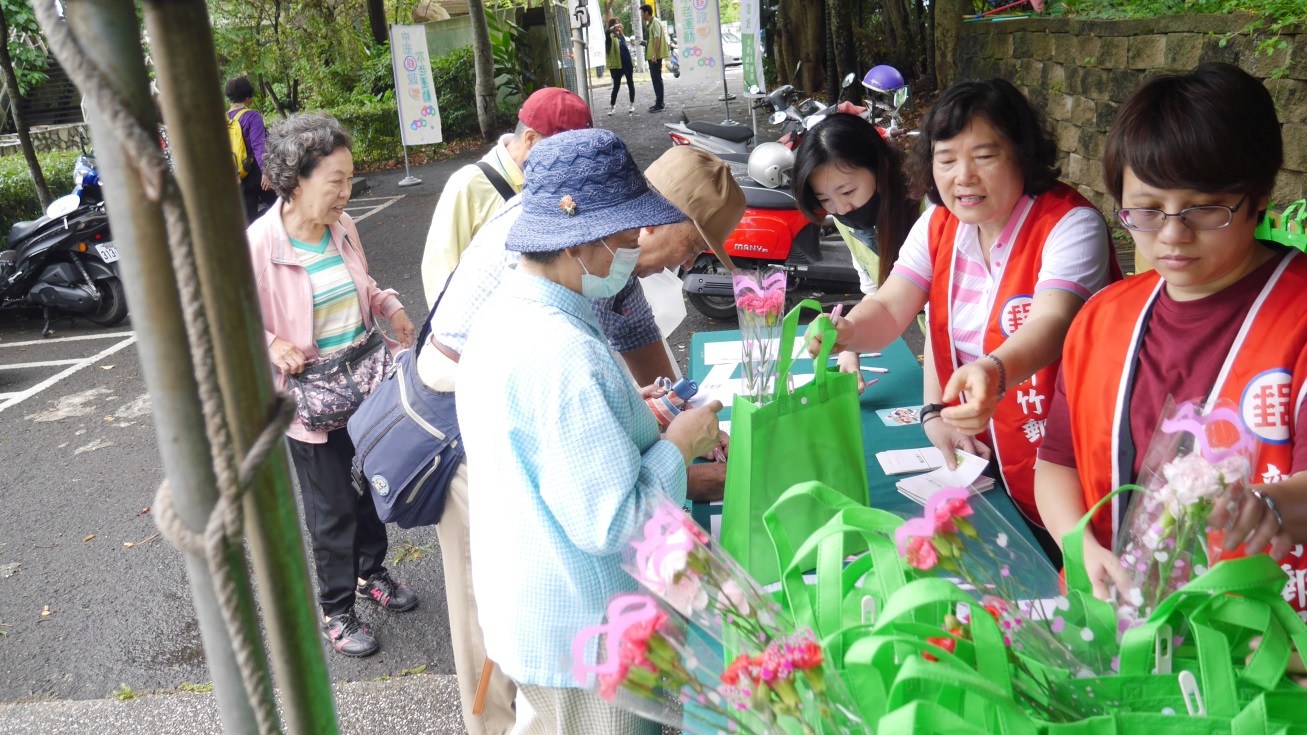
x: 415, y: 94
x: 594, y: 39
x: 699, y: 37
x: 751, y: 43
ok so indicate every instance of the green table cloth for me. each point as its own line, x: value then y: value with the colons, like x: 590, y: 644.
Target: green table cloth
x: 901, y: 386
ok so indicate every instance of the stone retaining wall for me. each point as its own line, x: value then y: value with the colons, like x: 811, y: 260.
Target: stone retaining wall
x: 1080, y: 71
x: 53, y: 138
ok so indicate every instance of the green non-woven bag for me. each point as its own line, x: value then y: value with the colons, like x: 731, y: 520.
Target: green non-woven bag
x: 811, y: 433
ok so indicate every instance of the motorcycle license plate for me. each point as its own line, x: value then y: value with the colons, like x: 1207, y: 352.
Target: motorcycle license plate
x: 108, y: 252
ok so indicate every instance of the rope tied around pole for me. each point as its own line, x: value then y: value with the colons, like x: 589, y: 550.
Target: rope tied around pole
x: 225, y: 528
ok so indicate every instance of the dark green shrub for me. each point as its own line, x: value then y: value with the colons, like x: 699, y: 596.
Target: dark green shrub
x: 18, y: 200
x: 455, y: 79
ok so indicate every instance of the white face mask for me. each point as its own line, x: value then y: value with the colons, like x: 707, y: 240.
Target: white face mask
x: 595, y: 287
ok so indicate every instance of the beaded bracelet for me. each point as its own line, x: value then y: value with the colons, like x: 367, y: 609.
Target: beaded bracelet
x: 1002, y: 376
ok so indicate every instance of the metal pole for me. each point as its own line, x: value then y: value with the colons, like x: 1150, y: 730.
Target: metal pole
x: 188, y: 75
x: 109, y: 33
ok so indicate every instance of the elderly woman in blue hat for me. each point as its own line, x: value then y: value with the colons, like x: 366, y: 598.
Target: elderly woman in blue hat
x: 563, y: 454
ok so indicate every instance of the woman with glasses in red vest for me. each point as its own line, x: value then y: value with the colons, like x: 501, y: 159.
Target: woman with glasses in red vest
x: 1221, y: 317
x: 1003, y: 259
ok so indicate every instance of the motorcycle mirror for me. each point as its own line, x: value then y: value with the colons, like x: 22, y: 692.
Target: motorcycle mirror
x: 812, y: 121
x: 849, y: 79
x: 900, y: 96
x: 777, y: 118
x: 63, y: 205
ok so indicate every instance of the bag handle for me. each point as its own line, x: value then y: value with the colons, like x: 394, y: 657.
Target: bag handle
x: 1295, y: 213
x: 812, y: 492
x: 927, y: 718
x: 960, y: 687
x: 789, y: 329
x: 991, y: 653
x: 1073, y: 544
x: 834, y: 580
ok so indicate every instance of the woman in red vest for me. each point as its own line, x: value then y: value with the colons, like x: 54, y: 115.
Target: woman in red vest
x: 1221, y: 317
x: 1004, y: 259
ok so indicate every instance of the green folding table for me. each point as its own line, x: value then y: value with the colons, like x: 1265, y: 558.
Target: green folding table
x: 900, y: 386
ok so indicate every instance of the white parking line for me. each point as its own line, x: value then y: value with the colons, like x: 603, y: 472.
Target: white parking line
x: 45, y: 363
x: 56, y: 340
x: 13, y: 399
x: 371, y: 210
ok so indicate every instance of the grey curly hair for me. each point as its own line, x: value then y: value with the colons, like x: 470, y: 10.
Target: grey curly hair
x: 297, y: 145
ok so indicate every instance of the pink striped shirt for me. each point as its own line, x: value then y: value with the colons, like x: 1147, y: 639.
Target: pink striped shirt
x: 1072, y: 262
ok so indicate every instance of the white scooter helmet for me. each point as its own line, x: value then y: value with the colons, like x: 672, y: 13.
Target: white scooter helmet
x: 771, y: 164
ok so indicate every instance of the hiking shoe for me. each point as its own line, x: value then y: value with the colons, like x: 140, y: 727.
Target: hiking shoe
x: 388, y: 593
x: 349, y: 636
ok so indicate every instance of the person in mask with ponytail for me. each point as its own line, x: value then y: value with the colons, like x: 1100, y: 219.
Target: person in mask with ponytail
x: 844, y: 168
x: 1004, y: 257
x: 565, y: 460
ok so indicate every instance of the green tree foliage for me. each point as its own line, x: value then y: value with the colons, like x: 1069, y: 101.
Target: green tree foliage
x: 24, y: 39
x: 309, y: 53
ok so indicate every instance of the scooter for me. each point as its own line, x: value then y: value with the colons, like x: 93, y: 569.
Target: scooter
x: 65, y: 262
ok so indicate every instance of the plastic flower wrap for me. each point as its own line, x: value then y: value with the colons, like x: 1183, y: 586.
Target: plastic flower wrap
x: 760, y: 303
x: 963, y: 537
x: 665, y: 661
x: 675, y: 559
x: 1193, y: 459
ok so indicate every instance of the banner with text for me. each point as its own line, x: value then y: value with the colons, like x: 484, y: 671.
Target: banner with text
x: 751, y: 43
x: 415, y: 94
x: 594, y: 40
x: 699, y: 39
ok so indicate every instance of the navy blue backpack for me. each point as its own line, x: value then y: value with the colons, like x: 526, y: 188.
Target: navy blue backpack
x: 407, y: 444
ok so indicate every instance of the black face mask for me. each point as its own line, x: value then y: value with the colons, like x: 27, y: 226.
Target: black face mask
x: 864, y: 217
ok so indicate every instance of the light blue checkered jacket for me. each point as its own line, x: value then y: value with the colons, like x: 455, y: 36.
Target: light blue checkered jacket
x: 563, y: 457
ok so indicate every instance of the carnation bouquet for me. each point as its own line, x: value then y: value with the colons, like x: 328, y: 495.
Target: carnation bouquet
x: 663, y: 654
x: 1194, y: 458
x: 759, y: 303
x: 964, y: 537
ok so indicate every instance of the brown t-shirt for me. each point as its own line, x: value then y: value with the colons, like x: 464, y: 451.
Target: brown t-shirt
x: 1185, y: 345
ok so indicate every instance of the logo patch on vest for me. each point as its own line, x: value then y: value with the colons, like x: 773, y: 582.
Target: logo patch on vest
x: 1015, y: 313
x: 1267, y: 405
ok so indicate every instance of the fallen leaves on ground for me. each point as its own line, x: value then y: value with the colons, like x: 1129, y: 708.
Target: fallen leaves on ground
x: 130, y: 544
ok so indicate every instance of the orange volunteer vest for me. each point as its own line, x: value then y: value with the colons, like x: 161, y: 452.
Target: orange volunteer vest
x: 1263, y: 375
x: 1017, y: 428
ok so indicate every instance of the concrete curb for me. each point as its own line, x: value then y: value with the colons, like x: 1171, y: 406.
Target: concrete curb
x: 423, y: 703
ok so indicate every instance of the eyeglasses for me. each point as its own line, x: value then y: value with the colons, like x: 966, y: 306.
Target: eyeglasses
x: 1211, y: 217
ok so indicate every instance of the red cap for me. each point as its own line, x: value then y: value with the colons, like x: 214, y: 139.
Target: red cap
x: 553, y: 110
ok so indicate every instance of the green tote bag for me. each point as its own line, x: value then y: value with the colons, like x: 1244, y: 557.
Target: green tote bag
x: 811, y: 433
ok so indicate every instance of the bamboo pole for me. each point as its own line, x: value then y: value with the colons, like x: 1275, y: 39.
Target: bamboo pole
x: 109, y: 33
x: 186, y: 64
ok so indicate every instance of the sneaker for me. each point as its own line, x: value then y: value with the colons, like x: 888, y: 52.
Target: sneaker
x: 388, y: 593
x: 656, y: 108
x: 349, y: 636
x: 631, y: 111
x: 611, y: 110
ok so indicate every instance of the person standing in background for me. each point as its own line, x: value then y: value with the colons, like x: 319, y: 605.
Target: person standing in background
x: 656, y: 49
x: 619, y: 63
x: 255, y: 189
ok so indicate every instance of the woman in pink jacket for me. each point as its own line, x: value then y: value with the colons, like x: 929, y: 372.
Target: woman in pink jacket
x: 317, y: 298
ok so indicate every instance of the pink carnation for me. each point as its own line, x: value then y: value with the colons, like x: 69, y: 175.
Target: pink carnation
x: 950, y: 509
x: 921, y: 553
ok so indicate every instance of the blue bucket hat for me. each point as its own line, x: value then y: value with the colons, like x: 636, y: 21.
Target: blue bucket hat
x: 581, y: 186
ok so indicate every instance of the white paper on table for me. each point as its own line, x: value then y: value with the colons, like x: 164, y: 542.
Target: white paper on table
x: 722, y: 353
x: 968, y: 471
x: 726, y: 391
x: 908, y: 461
